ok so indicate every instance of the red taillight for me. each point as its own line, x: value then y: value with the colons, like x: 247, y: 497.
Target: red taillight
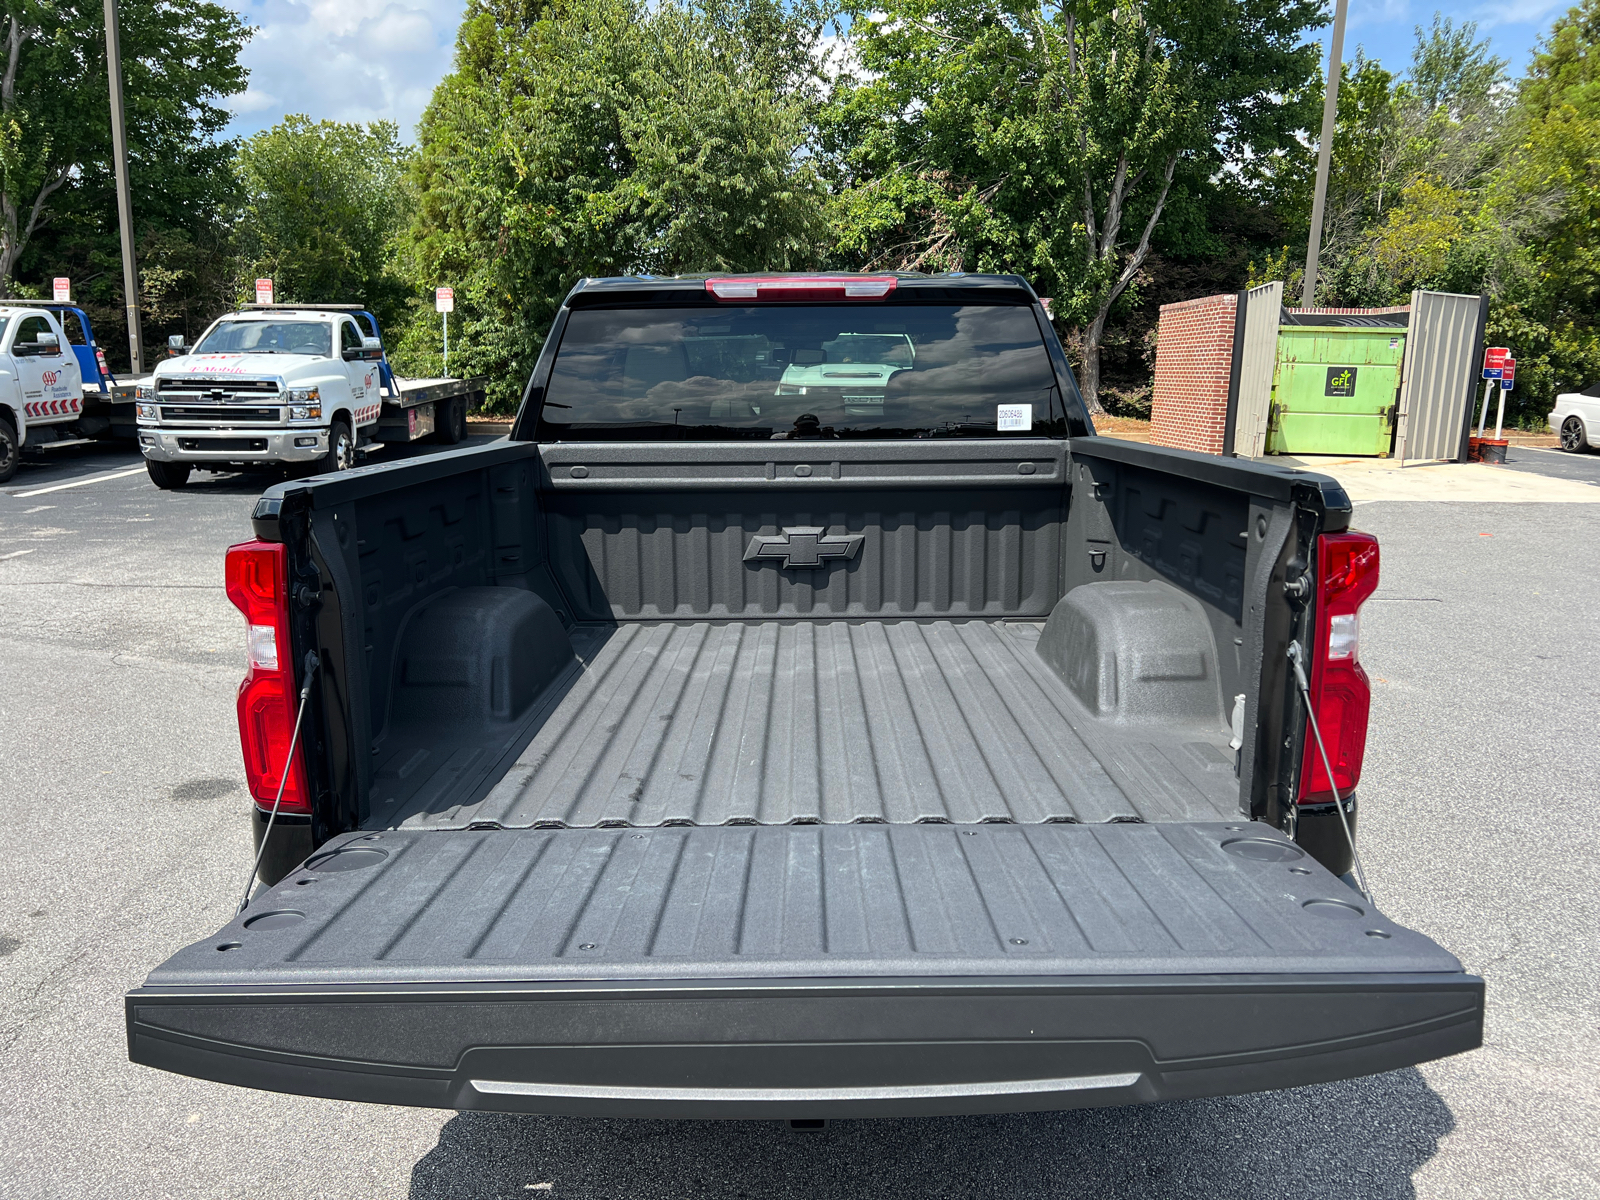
x: 1347, y: 573
x: 802, y: 287
x: 258, y: 585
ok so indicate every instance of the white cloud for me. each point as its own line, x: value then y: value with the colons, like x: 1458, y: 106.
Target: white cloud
x: 344, y: 60
x: 252, y: 101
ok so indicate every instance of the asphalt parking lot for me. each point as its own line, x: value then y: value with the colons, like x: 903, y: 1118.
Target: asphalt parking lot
x: 123, y: 833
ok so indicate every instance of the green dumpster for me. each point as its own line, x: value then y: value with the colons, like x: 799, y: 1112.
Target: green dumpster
x: 1335, y: 390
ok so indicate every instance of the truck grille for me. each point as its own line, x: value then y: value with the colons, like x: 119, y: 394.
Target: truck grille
x: 209, y: 386
x: 223, y: 416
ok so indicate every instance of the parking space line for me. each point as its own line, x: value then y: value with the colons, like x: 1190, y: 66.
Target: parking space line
x: 17, y: 553
x: 57, y: 487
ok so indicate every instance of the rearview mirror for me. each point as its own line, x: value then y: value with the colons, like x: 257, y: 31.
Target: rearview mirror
x: 371, y: 349
x: 47, y: 341
x: 176, y: 347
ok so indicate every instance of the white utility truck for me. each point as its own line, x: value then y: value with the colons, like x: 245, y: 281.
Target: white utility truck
x: 55, y: 387
x: 290, y: 385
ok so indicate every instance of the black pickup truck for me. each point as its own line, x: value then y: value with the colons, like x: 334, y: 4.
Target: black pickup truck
x: 803, y: 714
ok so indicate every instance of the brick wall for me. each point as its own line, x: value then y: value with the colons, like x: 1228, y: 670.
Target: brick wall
x: 1194, y: 360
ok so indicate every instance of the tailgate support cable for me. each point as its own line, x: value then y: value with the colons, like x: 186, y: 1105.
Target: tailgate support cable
x: 1295, y: 656
x: 312, y: 663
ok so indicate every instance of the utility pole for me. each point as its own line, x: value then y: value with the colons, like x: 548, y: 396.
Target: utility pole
x: 119, y: 155
x: 1330, y: 114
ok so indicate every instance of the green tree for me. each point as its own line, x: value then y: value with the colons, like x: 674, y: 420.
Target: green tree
x: 1412, y: 158
x: 608, y: 137
x: 179, y: 61
x: 1543, y: 211
x: 324, y: 203
x: 1000, y: 135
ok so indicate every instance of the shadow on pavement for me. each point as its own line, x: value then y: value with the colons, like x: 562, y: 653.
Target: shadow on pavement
x: 1360, y: 1138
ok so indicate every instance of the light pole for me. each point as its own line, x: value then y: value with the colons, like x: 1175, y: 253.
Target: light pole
x: 119, y: 156
x: 1330, y: 114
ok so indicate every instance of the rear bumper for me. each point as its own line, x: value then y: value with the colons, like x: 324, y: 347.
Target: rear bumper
x: 805, y: 1049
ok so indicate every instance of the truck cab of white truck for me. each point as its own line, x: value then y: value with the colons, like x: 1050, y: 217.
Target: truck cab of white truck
x: 41, y: 384
x: 297, y: 386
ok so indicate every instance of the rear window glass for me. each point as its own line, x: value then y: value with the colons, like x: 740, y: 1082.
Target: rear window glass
x: 769, y: 371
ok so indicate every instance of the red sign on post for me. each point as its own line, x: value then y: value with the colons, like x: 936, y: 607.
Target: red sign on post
x: 1495, y: 356
x: 444, y: 300
x: 62, y: 287
x: 263, y: 291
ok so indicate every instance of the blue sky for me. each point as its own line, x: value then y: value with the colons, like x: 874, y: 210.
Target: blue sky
x: 1385, y: 29
x: 344, y: 60
x: 361, y: 60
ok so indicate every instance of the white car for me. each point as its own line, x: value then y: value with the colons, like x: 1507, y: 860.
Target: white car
x: 854, y: 368
x: 1577, y: 419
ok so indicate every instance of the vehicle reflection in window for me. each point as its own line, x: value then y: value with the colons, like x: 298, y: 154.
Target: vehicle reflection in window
x: 851, y: 370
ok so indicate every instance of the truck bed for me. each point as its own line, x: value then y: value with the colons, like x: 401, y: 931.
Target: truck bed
x: 775, y: 723
x: 411, y: 392
x: 625, y: 813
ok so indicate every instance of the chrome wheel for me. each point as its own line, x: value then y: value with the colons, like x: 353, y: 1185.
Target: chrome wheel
x: 341, y: 449
x: 1573, y: 440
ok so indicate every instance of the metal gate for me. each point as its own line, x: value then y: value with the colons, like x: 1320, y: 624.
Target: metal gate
x: 1440, y: 374
x: 1258, y: 355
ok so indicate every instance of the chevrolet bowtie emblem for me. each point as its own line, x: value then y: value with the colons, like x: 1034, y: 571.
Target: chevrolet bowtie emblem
x: 804, y: 546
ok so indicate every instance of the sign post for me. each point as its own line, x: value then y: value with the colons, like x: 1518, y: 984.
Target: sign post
x: 444, y: 303
x: 1508, y: 375
x: 1494, y: 364
x: 62, y: 287
x: 263, y: 291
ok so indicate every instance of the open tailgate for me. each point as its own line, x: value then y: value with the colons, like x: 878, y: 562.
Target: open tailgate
x: 803, y: 971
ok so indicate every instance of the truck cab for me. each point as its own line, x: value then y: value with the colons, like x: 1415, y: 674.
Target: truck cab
x: 41, y: 382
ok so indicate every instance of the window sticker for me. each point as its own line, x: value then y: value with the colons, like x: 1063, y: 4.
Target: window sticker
x: 1013, y: 418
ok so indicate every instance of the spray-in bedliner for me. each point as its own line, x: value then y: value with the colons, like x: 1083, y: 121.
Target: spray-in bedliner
x: 772, y: 723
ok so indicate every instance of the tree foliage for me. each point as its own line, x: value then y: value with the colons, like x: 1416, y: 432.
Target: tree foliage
x: 602, y: 137
x: 323, y: 205
x: 1001, y: 135
x: 1543, y: 211
x: 57, y: 200
x: 1451, y: 177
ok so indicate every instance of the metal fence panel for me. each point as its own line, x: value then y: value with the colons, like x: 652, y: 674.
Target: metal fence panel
x: 1436, y: 382
x: 1259, y: 353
